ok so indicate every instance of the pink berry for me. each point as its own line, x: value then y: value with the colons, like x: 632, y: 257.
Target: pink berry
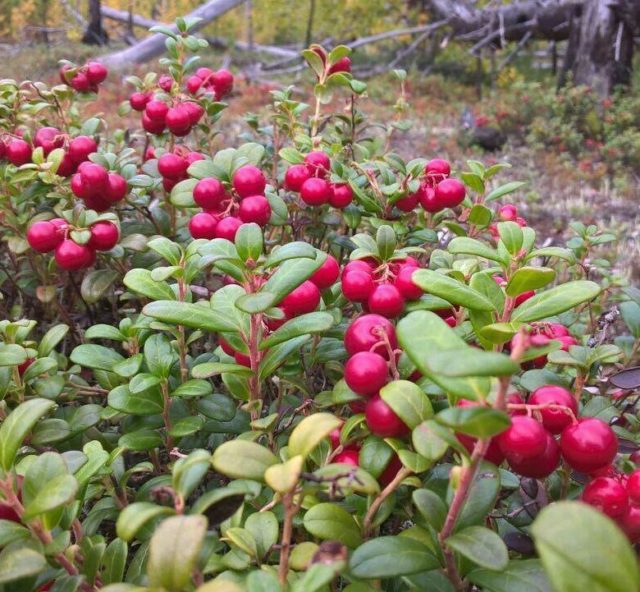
x: 249, y: 180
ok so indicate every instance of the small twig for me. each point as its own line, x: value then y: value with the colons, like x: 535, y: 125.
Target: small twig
x: 401, y: 475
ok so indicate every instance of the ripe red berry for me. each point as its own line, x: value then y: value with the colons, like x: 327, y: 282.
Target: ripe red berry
x: 104, y: 236
x: 366, y: 331
x: 366, y: 373
x: 357, y: 265
x: 97, y: 203
x: 72, y: 256
x: 18, y: 152
x: 203, y: 225
x: 450, y: 193
x: 192, y: 157
x: 94, y: 177
x: 315, y: 191
x: 81, y: 147
x: 172, y: 166
x: 524, y: 439
x: 139, y: 100
x: 608, y: 495
x: 67, y: 167
x: 116, y: 188
x: 408, y: 203
x: 341, y: 195
x: 508, y: 212
x: 349, y: 456
x: 633, y: 487
x: 249, y: 180
x: 43, y: 236
x: 305, y: 298
x: 195, y: 111
x: 227, y: 228
x: 178, y: 120
x: 156, y: 110
x: 630, y: 523
x: 554, y: 420
x: 205, y: 74
x: 79, y: 187
x: 405, y: 285
x: 222, y: 82
x: 80, y: 82
x: 48, y: 138
x: 327, y: 274
x: 318, y: 163
x: 539, y: 467
x: 588, y: 445
x: 386, y: 300
x: 208, y: 193
x: 357, y: 285
x: 334, y: 437
x: 342, y: 65
x: 165, y: 83
x: 152, y: 126
x: 96, y: 72
x: 438, y: 166
x: 295, y: 176
x: 429, y: 201
x: 382, y: 420
x: 256, y: 209
x: 193, y: 84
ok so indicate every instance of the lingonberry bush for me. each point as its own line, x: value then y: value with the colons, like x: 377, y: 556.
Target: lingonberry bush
x: 298, y: 363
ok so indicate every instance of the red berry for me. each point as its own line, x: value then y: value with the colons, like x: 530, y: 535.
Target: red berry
x: 172, y: 166
x: 327, y: 274
x: 165, y: 83
x: 357, y: 285
x: 152, y: 126
x: 554, y: 420
x: 203, y: 225
x: 178, y: 120
x: 116, y: 188
x: 79, y: 187
x: 357, y: 265
x: 633, y: 487
x: 525, y: 439
x: 429, y: 201
x: 80, y: 82
x: 588, y: 445
x: 139, y: 100
x: 48, y: 138
x: 342, y: 65
x: 386, y: 300
x: 208, y: 193
x: 18, y: 152
x: 193, y: 84
x: 366, y: 373
x: 539, y: 467
x: 409, y: 203
x: 634, y: 457
x: 227, y: 228
x: 81, y: 147
x: 104, y: 236
x: 295, y: 176
x: 222, y: 82
x: 192, y: 157
x: 366, y: 331
x: 315, y: 191
x: 204, y: 74
x: 256, y: 209
x: 630, y: 523
x: 438, y: 166
x: 43, y: 237
x: 515, y: 399
x: 493, y: 455
x: 94, y: 177
x: 72, y: 256
x: 97, y: 203
x: 382, y: 420
x: 156, y: 110
x: 96, y: 72
x: 249, y: 180
x: 349, y: 456
x: 508, y: 212
x: 405, y: 285
x: 450, y: 193
x: 608, y: 495
x: 341, y: 196
x: 318, y: 163
x: 305, y: 298
x: 67, y: 167
x: 195, y: 111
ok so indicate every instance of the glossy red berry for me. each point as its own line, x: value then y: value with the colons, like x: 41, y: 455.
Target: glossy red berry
x: 450, y: 193
x: 172, y: 166
x: 165, y: 82
x: 139, y: 100
x: 555, y: 420
x: 208, y: 193
x: 204, y: 74
x: 193, y: 84
x: 357, y: 265
x: 80, y: 82
x: 334, y: 437
x: 341, y: 195
x: 382, y: 420
x: 538, y: 467
x: 633, y: 487
x: 156, y: 110
x: 116, y: 188
x: 72, y: 256
x: 178, y: 120
x: 608, y: 495
x: 48, y: 138
x: 386, y: 300
x: 152, y: 126
x: 43, y: 236
x: 295, y: 176
x: 318, y: 163
x: 588, y: 445
x: 97, y: 203
x: 390, y: 471
x: 222, y: 82
x: 81, y: 147
x: 357, y: 285
x: 67, y: 167
x: 96, y: 72
x: 256, y: 209
x: 429, y: 201
x: 366, y: 373
x: 18, y: 152
x: 227, y: 228
x: 630, y: 523
x: 104, y: 236
x: 525, y: 438
x: 94, y: 177
x: 305, y: 298
x: 315, y: 191
x: 367, y: 331
x: 327, y: 274
x: 203, y: 225
x: 508, y: 212
x: 409, y: 203
x: 349, y: 456
x: 249, y: 180
x: 438, y: 166
x: 195, y: 111
x: 405, y: 285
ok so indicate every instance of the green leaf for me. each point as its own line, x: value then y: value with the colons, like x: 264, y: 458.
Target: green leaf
x: 12, y: 354
x: 241, y: 459
x: 511, y: 236
x: 102, y: 331
x: 264, y: 528
x: 144, y: 403
x: 167, y: 249
x: 173, y: 552
x: 451, y: 290
x: 386, y: 242
x: 482, y: 546
x: 290, y: 275
x: 285, y: 476
x: 278, y: 354
x: 58, y: 492
x: 96, y: 284
x: 473, y: 181
x: 432, y: 440
x: 114, y: 562
x: 294, y: 250
x: 141, y: 282
x: 529, y: 278
x: 462, y: 245
x: 193, y: 388
x: 249, y: 242
x: 408, y: 401
x: 471, y: 362
x: 349, y: 478
x: 431, y: 507
x: 311, y: 323
x: 481, y: 422
x: 391, y: 557
x: 331, y: 522
x: 17, y: 425
x: 17, y: 563
x: 94, y: 356
x: 582, y: 549
x: 140, y: 440
x: 519, y: 576
x: 196, y: 316
x: 51, y: 338
x: 559, y: 252
x: 310, y: 432
x: 503, y: 190
x: 556, y: 300
x: 134, y: 516
x: 209, y: 369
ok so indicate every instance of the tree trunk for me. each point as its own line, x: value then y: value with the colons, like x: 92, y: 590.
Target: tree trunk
x: 605, y: 51
x: 95, y: 34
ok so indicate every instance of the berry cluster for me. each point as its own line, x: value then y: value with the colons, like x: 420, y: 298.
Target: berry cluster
x: 437, y: 191
x: 543, y: 333
x: 178, y: 117
x: 84, y: 79
x: 220, y: 82
x: 507, y: 213
x: 173, y: 166
x: 48, y: 235
x: 227, y: 208
x: 310, y: 181
x: 381, y: 287
x: 98, y: 187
